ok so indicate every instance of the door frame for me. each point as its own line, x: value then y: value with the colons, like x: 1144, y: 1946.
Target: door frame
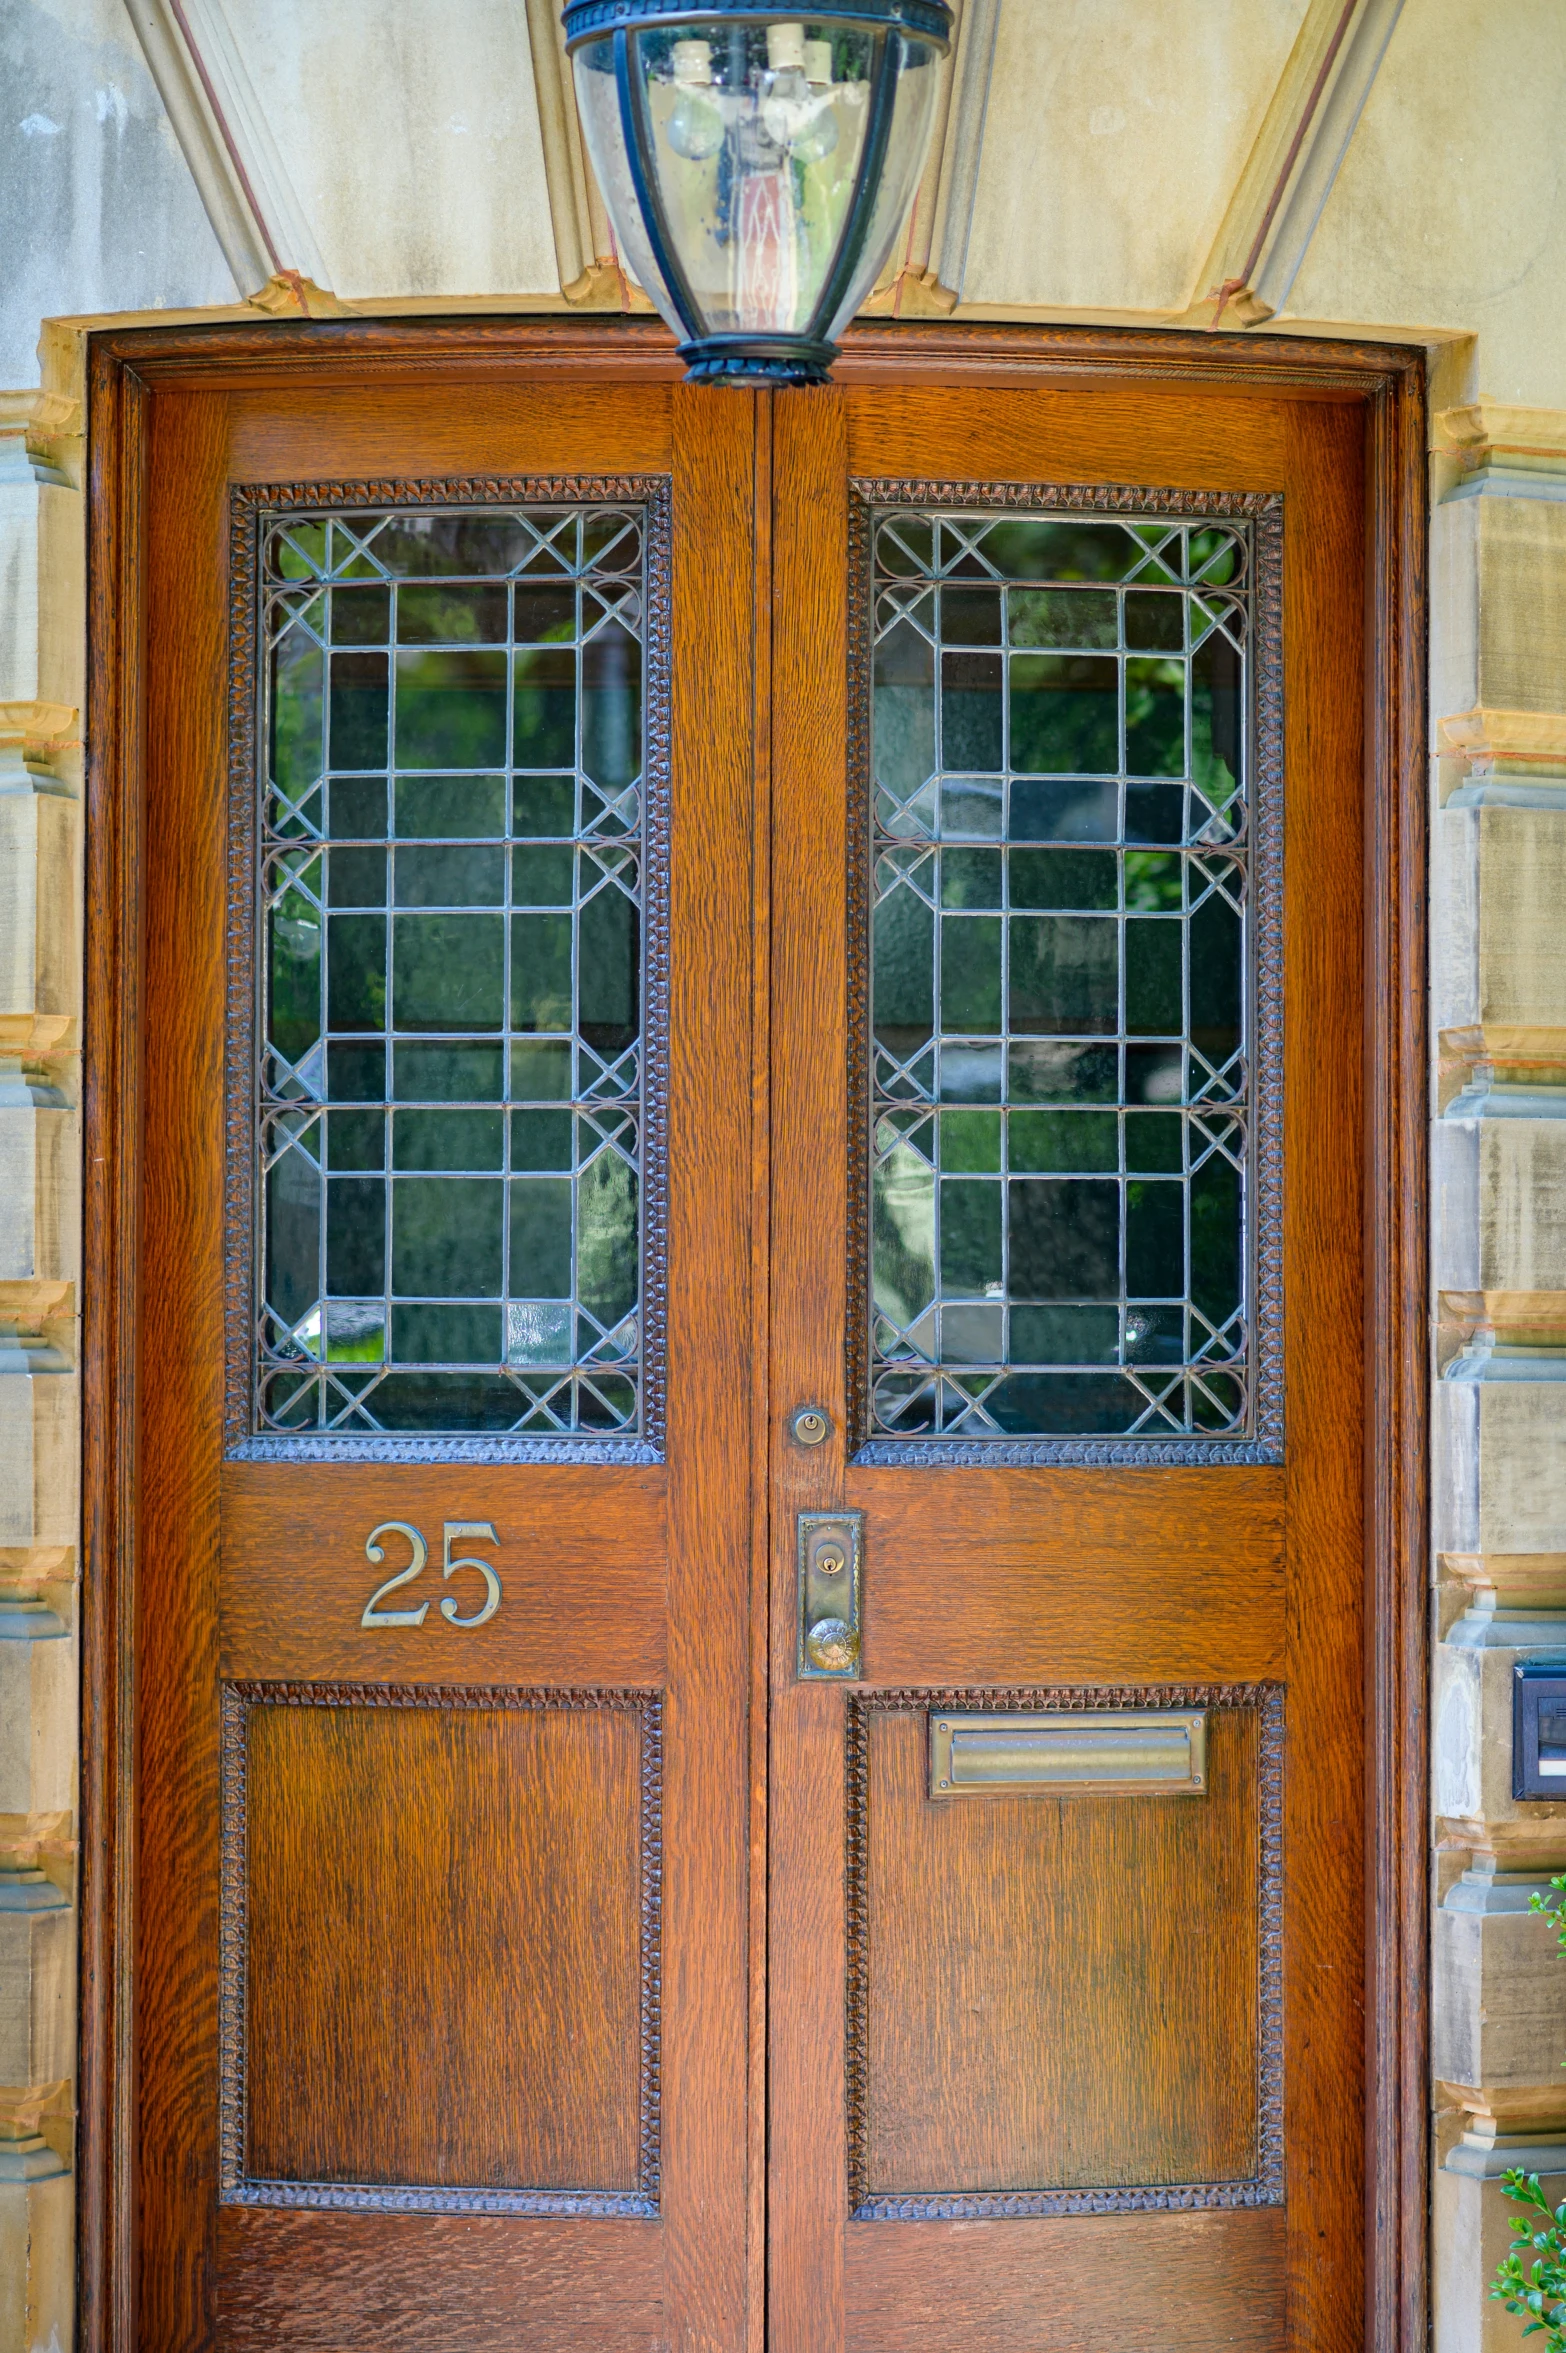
x: 125, y: 368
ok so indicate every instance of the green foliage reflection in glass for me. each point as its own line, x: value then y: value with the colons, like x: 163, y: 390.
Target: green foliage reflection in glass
x: 451, y: 1089
x: 1060, y: 1073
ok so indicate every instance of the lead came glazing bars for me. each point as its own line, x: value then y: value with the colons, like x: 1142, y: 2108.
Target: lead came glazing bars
x: 1070, y: 1047
x: 452, y: 896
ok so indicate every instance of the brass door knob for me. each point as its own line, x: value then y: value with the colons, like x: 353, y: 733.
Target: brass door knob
x: 832, y: 1646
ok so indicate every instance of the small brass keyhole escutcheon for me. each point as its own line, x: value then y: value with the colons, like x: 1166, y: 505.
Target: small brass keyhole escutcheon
x: 831, y: 1560
x: 810, y: 1425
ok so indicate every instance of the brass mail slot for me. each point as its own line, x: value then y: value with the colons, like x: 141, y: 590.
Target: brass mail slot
x: 1129, y: 1752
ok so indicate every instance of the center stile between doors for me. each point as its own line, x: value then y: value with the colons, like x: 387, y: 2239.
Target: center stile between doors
x: 750, y: 1235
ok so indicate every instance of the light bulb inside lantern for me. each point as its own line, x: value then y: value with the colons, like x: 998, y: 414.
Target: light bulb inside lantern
x: 696, y: 125
x: 796, y: 110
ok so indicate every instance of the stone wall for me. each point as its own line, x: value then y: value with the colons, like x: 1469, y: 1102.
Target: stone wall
x: 1498, y: 890
x: 41, y: 509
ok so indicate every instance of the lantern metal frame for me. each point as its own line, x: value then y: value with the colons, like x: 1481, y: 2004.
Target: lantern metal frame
x: 772, y: 357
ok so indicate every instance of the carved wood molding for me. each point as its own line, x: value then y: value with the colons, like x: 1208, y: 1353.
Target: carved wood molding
x: 948, y: 350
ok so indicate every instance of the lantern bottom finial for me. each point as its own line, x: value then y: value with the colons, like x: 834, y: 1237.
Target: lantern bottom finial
x: 751, y: 359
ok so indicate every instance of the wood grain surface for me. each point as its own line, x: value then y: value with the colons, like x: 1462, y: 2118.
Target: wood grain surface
x: 354, y: 430
x: 444, y: 1946
x: 707, y: 1795
x: 1324, y: 1259
x: 110, y: 1362
x: 1140, y: 2283
x: 1061, y: 1992
x: 324, y: 2283
x: 1021, y: 1575
x: 1397, y: 1476
x: 183, y: 886
x: 807, y: 2175
x: 581, y: 1569
x: 1166, y: 436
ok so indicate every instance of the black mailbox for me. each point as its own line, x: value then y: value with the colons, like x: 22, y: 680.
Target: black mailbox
x: 1539, y: 1729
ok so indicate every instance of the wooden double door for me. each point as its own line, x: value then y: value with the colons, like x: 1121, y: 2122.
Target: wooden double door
x: 749, y: 1723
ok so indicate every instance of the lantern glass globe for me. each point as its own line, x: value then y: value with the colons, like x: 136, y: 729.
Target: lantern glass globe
x: 756, y: 168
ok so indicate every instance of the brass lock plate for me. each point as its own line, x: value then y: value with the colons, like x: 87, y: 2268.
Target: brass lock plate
x: 829, y: 1560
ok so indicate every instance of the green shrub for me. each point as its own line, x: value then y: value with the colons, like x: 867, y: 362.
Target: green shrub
x: 1536, y: 2292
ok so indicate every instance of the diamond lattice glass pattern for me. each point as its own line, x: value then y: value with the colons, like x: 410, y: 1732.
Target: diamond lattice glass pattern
x: 1060, y: 1083
x: 451, y: 1075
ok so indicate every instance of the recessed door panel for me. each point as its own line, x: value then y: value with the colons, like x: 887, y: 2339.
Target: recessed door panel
x: 1058, y: 1996
x: 408, y: 1871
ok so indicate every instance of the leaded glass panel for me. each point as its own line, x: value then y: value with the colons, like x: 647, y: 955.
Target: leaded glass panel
x: 1062, y: 1004
x: 452, y: 883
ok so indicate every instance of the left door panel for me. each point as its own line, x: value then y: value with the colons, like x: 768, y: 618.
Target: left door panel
x: 442, y: 1777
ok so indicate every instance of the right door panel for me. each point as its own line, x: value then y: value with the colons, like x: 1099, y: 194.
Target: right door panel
x: 1066, y: 1955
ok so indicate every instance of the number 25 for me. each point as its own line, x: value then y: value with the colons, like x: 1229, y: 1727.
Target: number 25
x: 454, y: 1531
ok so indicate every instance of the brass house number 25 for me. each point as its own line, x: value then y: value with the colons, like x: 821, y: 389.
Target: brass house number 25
x: 455, y: 1532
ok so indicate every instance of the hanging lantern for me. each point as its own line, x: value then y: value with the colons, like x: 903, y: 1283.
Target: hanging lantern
x: 757, y: 167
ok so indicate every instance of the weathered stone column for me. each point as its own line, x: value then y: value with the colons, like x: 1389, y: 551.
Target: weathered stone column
x: 41, y: 622
x: 1498, y: 678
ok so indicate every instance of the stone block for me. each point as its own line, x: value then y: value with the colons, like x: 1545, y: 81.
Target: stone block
x: 1471, y: 1720
x: 1499, y: 1190
x: 1454, y: 606
x: 37, y: 2248
x: 38, y: 1422
x: 40, y: 976
x: 38, y: 1700
x: 19, y: 492
x: 1498, y: 604
x: 1498, y: 944
x: 40, y: 1179
x: 1499, y: 1457
x: 1499, y: 2012
x: 126, y: 229
x: 1472, y: 2232
x: 37, y: 1979
x: 62, y: 591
